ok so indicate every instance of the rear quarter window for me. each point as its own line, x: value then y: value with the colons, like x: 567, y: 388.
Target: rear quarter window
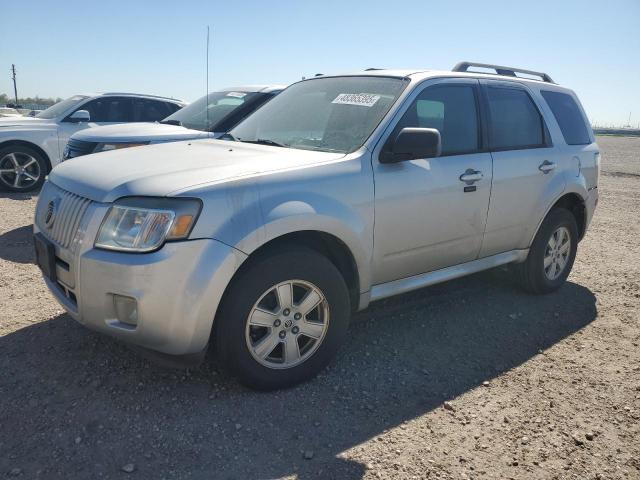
x: 569, y: 118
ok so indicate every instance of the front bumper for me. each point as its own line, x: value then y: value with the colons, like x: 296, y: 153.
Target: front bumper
x: 176, y: 289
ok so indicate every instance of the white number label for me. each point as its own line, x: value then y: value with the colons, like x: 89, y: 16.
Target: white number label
x: 362, y: 99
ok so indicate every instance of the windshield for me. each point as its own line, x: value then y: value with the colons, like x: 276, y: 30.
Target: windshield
x: 326, y: 114
x: 221, y: 105
x: 59, y: 108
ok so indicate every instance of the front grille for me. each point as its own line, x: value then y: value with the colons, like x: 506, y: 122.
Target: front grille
x: 77, y: 148
x: 63, y: 210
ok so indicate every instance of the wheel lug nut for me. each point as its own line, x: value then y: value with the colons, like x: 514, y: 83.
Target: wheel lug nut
x: 297, y: 316
x: 282, y: 334
x: 286, y: 312
x: 295, y: 330
x: 277, y: 323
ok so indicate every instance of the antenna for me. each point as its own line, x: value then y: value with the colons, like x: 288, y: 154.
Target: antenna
x: 207, y: 80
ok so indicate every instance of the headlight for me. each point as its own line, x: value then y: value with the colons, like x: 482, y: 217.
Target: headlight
x: 144, y: 224
x: 105, y: 147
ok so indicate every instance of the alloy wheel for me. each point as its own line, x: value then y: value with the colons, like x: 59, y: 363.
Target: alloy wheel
x: 19, y: 170
x: 557, y: 251
x: 287, y: 324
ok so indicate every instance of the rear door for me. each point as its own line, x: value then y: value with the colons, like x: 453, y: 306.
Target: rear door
x: 102, y: 110
x: 426, y: 216
x: 148, y: 110
x: 526, y: 168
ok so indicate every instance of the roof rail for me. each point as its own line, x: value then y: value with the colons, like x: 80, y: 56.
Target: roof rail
x: 500, y: 70
x: 143, y: 95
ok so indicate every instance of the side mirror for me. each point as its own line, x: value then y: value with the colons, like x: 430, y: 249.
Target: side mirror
x: 411, y: 144
x: 80, y: 116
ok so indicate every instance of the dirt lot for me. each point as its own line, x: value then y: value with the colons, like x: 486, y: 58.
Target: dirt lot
x: 537, y: 387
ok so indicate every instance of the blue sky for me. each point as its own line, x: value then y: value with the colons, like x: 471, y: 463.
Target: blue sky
x: 62, y: 48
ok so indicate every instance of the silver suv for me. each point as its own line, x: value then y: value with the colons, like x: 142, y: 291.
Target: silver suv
x: 340, y: 191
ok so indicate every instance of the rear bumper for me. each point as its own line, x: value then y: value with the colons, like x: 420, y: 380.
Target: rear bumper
x: 176, y: 291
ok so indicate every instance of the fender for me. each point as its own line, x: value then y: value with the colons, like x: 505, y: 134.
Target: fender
x: 42, y: 140
x: 318, y: 213
x: 335, y: 198
x: 574, y: 187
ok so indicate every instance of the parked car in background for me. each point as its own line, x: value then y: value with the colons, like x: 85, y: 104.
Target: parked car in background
x: 340, y: 191
x: 9, y: 112
x: 207, y: 117
x: 31, y: 146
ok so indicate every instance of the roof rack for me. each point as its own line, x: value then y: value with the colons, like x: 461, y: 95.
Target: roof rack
x: 142, y: 95
x: 500, y: 70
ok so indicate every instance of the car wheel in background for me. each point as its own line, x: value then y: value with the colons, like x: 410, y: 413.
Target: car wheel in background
x: 22, y: 169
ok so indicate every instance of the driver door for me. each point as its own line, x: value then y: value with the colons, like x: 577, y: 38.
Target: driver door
x: 426, y: 216
x: 102, y: 111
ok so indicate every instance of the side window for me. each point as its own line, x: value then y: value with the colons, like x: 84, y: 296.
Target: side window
x: 452, y: 110
x: 109, y: 109
x: 569, y: 118
x: 240, y: 113
x: 172, y: 108
x: 145, y: 110
x: 516, y: 122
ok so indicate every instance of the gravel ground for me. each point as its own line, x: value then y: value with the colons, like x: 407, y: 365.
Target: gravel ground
x: 468, y: 379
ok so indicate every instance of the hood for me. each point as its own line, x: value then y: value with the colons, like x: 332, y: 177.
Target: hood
x: 24, y: 122
x: 137, y: 132
x: 159, y: 170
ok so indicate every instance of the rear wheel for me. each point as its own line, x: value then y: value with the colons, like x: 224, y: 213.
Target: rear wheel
x: 552, y: 253
x: 22, y: 169
x: 283, y: 319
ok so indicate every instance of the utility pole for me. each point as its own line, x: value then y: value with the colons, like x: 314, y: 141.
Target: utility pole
x: 15, y: 89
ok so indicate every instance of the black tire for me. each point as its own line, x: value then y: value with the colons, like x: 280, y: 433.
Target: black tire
x: 531, y: 273
x: 23, y: 155
x: 295, y: 263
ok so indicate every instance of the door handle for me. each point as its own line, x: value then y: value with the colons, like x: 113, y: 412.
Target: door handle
x: 546, y: 166
x: 471, y: 176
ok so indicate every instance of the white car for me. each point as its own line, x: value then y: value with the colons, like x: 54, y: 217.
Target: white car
x: 31, y: 146
x: 208, y: 117
x: 9, y: 112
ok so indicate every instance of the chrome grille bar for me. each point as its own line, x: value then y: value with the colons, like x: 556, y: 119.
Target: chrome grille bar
x: 68, y: 213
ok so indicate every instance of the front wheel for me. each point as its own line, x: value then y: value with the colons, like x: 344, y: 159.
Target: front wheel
x: 22, y: 169
x: 551, y: 255
x: 282, y: 319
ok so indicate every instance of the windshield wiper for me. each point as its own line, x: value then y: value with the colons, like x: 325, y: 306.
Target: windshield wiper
x: 177, y: 123
x: 264, y: 141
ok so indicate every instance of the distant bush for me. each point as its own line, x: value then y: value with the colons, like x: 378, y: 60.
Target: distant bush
x: 46, y: 102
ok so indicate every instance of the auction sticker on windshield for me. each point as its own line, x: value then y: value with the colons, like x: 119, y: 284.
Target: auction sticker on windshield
x: 362, y: 99
x: 236, y: 94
